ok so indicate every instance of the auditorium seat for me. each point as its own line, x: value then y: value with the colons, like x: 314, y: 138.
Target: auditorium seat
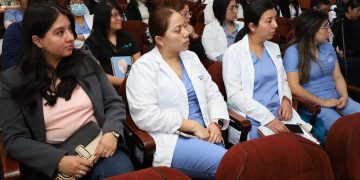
x: 152, y: 174
x: 279, y: 156
x: 343, y: 147
x: 9, y: 166
x: 138, y: 30
x: 136, y: 138
x: 199, y: 25
x: 305, y: 4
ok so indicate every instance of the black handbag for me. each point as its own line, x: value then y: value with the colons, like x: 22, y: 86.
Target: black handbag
x: 83, y: 143
x: 83, y: 136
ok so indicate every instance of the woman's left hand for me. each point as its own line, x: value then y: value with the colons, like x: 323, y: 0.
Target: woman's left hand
x: 107, y: 146
x: 285, y: 110
x: 191, y: 31
x: 342, y: 102
x: 215, y: 133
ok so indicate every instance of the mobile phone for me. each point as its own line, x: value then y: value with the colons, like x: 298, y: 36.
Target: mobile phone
x: 295, y: 128
x: 186, y: 135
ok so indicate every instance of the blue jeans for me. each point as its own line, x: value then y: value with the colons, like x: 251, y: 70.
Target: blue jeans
x: 117, y: 164
x: 197, y: 158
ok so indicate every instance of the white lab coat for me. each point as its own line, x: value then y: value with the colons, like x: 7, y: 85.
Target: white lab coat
x: 158, y: 99
x: 89, y: 19
x: 238, y: 76
x: 214, y: 39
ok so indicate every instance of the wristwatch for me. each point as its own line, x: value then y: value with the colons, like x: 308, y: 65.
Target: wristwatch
x: 115, y: 134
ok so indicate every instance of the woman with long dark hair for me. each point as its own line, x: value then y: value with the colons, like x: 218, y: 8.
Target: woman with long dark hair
x: 170, y: 93
x: 253, y: 73
x: 51, y: 94
x: 313, y: 69
x: 108, y: 39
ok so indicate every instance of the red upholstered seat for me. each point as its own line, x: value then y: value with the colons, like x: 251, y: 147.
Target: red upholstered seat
x: 280, y: 156
x: 152, y: 174
x: 343, y: 147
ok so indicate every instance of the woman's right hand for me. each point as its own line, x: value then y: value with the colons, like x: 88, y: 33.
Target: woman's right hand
x: 277, y: 126
x: 74, y: 166
x: 329, y: 102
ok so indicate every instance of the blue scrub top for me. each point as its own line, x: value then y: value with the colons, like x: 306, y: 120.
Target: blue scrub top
x: 13, y: 15
x: 82, y: 30
x: 194, y: 108
x: 321, y: 82
x: 266, y: 82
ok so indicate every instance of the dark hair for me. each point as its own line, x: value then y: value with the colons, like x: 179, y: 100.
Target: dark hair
x: 252, y: 14
x: 307, y: 25
x: 243, y: 3
x: 67, y: 3
x: 159, y: 21
x: 317, y: 3
x: 284, y: 7
x: 41, y: 77
x: 353, y: 4
x: 149, y: 4
x: 176, y: 5
x: 219, y: 8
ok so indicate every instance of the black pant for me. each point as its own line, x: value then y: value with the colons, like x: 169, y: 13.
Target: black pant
x: 353, y: 74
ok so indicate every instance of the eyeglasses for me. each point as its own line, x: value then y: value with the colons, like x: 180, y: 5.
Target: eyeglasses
x: 233, y: 8
x: 116, y: 15
x: 186, y: 14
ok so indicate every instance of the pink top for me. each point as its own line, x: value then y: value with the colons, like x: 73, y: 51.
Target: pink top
x: 66, y: 117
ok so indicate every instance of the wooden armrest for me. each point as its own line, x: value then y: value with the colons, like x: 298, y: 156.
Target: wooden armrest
x: 353, y: 89
x: 314, y: 108
x: 9, y: 166
x: 240, y: 122
x: 146, y: 142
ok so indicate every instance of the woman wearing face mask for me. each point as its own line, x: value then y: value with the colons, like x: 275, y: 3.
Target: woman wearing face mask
x: 313, y: 69
x: 15, y: 15
x: 220, y: 34
x: 182, y: 7
x: 169, y: 90
x: 108, y: 39
x: 253, y: 73
x: 83, y: 21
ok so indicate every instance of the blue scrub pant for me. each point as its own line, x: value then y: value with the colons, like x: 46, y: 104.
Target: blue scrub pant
x: 329, y: 115
x: 197, y: 158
